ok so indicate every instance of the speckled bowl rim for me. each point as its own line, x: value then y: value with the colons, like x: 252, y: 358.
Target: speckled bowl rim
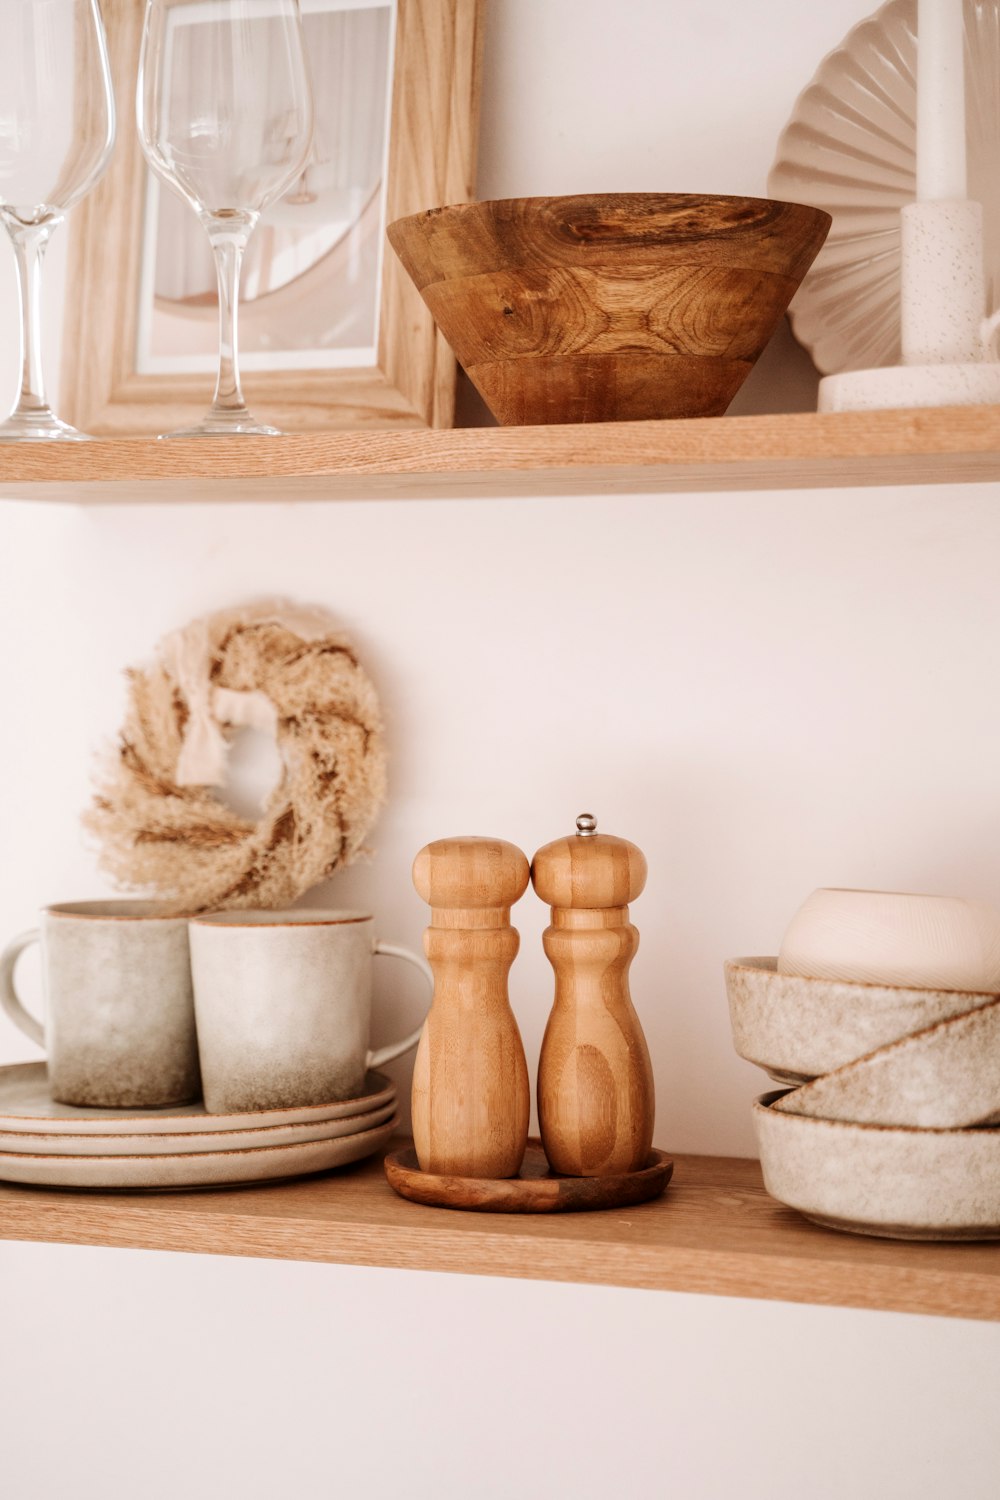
x: 769, y: 965
x: 763, y: 1103
x: 299, y: 916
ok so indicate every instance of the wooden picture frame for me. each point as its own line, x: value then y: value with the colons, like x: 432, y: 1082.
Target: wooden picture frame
x: 430, y: 161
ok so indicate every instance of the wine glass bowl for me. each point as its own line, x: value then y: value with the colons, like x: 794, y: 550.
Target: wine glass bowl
x: 224, y: 111
x: 57, y: 131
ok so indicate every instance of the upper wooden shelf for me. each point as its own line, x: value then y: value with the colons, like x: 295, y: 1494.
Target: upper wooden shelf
x: 939, y: 445
x: 715, y: 1231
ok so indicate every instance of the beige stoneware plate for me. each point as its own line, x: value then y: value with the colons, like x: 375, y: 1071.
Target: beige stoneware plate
x: 944, y: 1078
x: 797, y: 1029
x: 194, y: 1169
x: 41, y: 1143
x: 896, y: 1182
x: 26, y: 1106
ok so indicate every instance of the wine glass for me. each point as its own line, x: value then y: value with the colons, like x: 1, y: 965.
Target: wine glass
x: 57, y: 132
x: 225, y: 118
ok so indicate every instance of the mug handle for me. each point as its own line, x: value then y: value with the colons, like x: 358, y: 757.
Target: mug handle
x: 396, y: 1049
x: 8, y: 994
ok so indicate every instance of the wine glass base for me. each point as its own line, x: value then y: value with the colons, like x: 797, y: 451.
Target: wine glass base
x: 225, y: 424
x: 39, y: 427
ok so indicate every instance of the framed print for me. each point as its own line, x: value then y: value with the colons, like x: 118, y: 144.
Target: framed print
x: 332, y: 331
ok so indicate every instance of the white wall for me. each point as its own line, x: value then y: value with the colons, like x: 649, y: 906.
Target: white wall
x: 273, y: 1381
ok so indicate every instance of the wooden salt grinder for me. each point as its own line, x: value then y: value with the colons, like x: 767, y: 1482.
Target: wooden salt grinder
x: 595, y: 1081
x: 471, y: 1098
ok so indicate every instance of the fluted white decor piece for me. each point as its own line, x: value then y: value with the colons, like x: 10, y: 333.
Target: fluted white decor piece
x: 850, y: 148
x: 890, y: 937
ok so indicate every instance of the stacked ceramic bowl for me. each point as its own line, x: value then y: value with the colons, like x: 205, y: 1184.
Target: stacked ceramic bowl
x: 881, y: 1016
x: 65, y: 1145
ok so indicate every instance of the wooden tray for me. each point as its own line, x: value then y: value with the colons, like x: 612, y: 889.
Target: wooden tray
x: 535, y: 1190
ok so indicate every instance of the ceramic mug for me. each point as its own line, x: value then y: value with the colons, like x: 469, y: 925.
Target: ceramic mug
x: 283, y: 1006
x: 119, y: 1030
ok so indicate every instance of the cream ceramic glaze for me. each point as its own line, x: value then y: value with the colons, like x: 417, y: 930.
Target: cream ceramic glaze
x: 195, y: 1169
x: 942, y: 1078
x: 797, y: 1029
x: 41, y: 1143
x: 889, y: 937
x: 27, y: 1108
x: 283, y: 1005
x: 897, y: 1182
x: 120, y: 1026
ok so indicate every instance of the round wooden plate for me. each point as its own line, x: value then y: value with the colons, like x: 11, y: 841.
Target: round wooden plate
x: 535, y: 1190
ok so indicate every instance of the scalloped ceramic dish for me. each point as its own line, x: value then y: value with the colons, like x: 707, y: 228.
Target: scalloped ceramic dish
x: 893, y: 1182
x: 850, y: 147
x: 797, y: 1029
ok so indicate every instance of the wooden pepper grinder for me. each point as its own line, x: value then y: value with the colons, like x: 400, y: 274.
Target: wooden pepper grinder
x: 595, y: 1081
x: 471, y: 1099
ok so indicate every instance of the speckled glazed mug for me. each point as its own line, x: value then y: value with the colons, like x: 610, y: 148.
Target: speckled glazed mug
x: 119, y: 1029
x: 283, y: 1004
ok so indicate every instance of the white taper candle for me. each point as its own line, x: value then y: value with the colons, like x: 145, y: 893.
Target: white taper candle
x: 941, y: 169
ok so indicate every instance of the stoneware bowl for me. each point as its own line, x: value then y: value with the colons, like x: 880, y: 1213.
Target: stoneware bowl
x: 893, y: 937
x: 896, y: 1182
x: 945, y: 1077
x: 797, y: 1029
x: 609, y: 307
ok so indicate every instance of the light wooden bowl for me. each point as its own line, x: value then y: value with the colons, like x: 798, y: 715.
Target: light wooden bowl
x: 609, y: 307
x: 894, y: 938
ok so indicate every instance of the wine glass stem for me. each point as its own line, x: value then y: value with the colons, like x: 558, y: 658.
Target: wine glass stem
x: 30, y: 242
x: 229, y: 243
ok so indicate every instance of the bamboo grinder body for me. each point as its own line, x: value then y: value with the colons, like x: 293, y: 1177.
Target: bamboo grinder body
x: 471, y: 1098
x: 596, y: 1100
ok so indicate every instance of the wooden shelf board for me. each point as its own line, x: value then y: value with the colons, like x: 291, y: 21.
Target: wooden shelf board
x: 715, y: 1231
x: 803, y: 450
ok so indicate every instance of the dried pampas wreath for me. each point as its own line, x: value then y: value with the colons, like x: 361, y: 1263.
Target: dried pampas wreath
x: 271, y: 666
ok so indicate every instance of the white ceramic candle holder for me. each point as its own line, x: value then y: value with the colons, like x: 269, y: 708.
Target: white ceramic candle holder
x: 948, y: 345
x: 948, y: 350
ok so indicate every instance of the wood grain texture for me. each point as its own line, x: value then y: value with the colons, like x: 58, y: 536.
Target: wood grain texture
x: 714, y: 1231
x: 535, y: 1189
x: 431, y: 159
x: 609, y: 307
x: 959, y: 444
x: 596, y: 1099
x: 471, y: 1099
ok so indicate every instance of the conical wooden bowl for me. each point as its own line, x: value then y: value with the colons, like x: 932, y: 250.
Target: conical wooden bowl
x: 609, y: 307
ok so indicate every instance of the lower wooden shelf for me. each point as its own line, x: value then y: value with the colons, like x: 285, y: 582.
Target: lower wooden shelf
x: 715, y: 1231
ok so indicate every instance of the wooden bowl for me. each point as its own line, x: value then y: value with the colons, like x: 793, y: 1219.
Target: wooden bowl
x: 894, y: 938
x: 609, y: 307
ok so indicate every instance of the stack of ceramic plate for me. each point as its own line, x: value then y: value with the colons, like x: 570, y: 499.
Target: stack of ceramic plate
x: 60, y: 1145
